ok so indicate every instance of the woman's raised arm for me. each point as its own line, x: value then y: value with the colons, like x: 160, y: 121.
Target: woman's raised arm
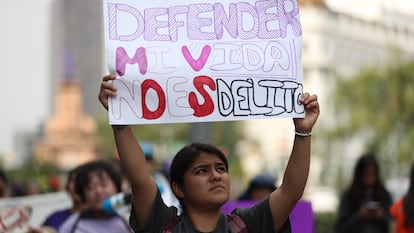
x: 133, y: 159
x: 286, y: 196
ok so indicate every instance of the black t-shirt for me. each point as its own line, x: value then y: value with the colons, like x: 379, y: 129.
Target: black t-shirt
x: 257, y: 218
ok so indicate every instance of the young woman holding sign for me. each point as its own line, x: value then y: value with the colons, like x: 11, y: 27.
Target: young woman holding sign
x: 200, y: 180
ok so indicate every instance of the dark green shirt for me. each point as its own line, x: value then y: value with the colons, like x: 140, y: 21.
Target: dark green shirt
x: 257, y: 218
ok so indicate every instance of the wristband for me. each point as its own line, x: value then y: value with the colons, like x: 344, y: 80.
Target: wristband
x: 118, y: 127
x: 303, y: 134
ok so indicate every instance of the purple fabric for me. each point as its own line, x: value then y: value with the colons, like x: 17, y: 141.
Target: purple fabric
x: 57, y: 218
x: 114, y: 224
x: 301, y: 218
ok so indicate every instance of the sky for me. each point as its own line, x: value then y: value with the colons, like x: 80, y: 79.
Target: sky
x: 24, y: 60
x: 24, y: 98
x: 371, y: 9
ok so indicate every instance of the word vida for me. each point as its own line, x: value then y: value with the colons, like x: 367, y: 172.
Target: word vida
x: 205, y: 96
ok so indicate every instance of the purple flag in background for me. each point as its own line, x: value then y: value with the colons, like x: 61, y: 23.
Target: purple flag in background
x: 301, y: 218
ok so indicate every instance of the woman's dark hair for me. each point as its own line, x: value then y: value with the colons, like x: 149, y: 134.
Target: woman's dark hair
x: 408, y: 202
x: 187, y: 155
x: 71, y: 176
x: 83, y: 172
x: 358, y: 190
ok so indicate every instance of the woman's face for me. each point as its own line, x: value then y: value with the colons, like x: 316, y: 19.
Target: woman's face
x: 99, y: 188
x: 369, y: 176
x: 206, y: 182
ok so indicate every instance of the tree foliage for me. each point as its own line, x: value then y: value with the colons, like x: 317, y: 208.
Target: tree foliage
x: 380, y: 101
x: 224, y: 134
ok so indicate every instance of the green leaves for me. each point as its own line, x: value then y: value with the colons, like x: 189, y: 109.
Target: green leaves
x: 380, y: 100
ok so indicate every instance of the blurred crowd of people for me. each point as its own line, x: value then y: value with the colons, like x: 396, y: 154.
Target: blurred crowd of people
x: 17, y: 188
x: 366, y: 206
x: 89, y: 185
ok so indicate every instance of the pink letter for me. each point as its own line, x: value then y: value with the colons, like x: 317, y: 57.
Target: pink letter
x: 122, y: 59
x: 198, y: 64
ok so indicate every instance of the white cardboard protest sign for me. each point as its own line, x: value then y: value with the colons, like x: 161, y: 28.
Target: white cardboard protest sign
x: 186, y: 61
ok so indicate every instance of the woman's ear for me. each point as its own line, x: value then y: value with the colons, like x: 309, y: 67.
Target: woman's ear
x: 177, y: 190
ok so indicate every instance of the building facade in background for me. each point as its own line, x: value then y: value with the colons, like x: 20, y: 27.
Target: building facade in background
x: 77, y: 29
x: 69, y: 136
x: 335, y: 41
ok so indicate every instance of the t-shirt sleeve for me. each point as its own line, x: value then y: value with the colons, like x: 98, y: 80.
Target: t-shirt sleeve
x: 159, y: 217
x: 258, y: 218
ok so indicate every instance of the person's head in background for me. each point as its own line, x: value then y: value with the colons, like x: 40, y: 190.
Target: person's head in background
x: 366, y: 173
x: 33, y: 187
x: 259, y: 188
x: 78, y: 204
x: 95, y: 181
x: 17, y: 188
x: 166, y: 167
x: 3, y: 184
x: 148, y: 149
x: 367, y: 184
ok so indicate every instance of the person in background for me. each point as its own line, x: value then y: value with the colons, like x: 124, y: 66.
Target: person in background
x: 364, y: 205
x: 118, y: 167
x: 199, y: 178
x: 56, y: 219
x: 259, y: 188
x: 160, y: 179
x: 53, y: 183
x: 4, y: 190
x: 17, y: 188
x: 94, y: 182
x: 403, y: 209
x: 33, y: 187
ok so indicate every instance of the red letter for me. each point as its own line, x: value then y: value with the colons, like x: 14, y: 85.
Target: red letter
x: 147, y: 113
x: 208, y: 107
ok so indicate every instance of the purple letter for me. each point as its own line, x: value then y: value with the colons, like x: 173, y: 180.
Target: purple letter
x: 152, y: 24
x: 194, y: 23
x: 174, y: 24
x: 220, y: 20
x: 264, y: 18
x: 244, y: 7
x: 112, y: 21
x: 286, y: 18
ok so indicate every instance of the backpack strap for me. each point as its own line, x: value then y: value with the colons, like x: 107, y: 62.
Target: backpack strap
x: 169, y: 228
x: 75, y: 225
x: 236, y: 224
